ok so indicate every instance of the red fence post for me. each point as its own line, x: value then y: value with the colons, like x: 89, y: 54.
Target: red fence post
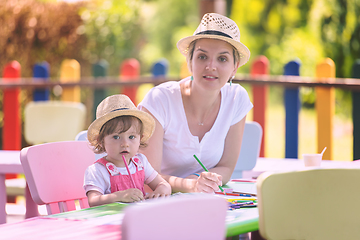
x: 11, y: 108
x: 260, y: 95
x: 130, y: 71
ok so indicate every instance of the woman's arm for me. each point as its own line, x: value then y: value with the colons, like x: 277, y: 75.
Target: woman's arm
x: 154, y: 151
x: 207, y: 182
x: 231, y: 153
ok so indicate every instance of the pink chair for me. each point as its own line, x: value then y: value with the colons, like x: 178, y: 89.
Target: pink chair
x: 55, y: 174
x: 187, y: 216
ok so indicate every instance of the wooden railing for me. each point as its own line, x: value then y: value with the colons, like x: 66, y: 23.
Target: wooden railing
x: 324, y: 83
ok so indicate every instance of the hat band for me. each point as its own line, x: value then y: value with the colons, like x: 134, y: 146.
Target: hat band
x: 119, y: 109
x: 212, y: 32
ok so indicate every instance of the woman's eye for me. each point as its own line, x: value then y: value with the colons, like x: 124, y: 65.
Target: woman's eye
x: 202, y: 57
x: 222, y: 59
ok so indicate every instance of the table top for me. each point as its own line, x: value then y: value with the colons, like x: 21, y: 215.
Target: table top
x: 292, y: 164
x: 104, y: 221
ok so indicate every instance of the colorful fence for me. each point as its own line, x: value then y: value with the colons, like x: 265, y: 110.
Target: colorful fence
x: 135, y: 86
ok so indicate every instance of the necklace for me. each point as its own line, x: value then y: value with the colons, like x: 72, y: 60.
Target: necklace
x: 201, y: 123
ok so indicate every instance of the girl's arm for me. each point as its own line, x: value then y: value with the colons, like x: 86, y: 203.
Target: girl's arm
x: 95, y: 198
x: 160, y: 187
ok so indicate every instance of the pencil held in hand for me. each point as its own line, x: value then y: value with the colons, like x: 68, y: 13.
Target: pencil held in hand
x: 205, y: 169
x: 128, y: 170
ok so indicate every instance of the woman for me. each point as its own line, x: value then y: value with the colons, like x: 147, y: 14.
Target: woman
x: 201, y: 115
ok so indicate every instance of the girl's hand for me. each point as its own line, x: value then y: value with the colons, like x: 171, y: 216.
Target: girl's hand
x: 155, y: 195
x: 130, y: 195
x: 208, y: 182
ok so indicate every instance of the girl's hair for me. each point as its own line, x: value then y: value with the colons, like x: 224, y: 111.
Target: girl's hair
x: 190, y: 54
x: 121, y: 124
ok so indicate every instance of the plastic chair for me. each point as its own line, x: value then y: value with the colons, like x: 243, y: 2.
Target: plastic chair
x: 82, y: 136
x: 55, y: 173
x: 309, y: 204
x: 250, y: 149
x: 52, y: 121
x: 192, y: 216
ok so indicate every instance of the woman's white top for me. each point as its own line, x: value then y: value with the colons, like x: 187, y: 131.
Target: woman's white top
x: 179, y: 145
x: 97, y: 176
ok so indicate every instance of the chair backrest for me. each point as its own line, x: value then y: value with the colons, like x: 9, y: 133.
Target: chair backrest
x: 178, y: 217
x: 82, y: 136
x: 309, y: 204
x: 250, y: 149
x: 52, y: 121
x: 55, y: 173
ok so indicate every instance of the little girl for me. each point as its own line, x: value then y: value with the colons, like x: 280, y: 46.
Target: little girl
x: 119, y: 130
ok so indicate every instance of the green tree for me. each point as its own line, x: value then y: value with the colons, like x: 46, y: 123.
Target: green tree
x: 113, y: 30
x: 166, y: 22
x: 306, y: 29
x: 33, y: 31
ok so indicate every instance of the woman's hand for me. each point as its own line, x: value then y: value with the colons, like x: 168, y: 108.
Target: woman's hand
x: 208, y: 182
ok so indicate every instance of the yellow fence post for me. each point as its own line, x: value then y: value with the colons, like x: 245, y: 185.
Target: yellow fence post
x: 325, y: 108
x: 70, y: 72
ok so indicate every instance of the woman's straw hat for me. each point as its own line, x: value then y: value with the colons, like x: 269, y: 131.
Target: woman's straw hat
x: 115, y: 106
x: 216, y: 26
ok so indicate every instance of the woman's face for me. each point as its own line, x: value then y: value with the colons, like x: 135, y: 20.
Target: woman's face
x: 213, y: 63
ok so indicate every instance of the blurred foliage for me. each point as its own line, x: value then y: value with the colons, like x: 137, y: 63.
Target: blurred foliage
x: 309, y: 30
x: 113, y: 30
x: 167, y: 21
x: 33, y: 31
x: 46, y: 30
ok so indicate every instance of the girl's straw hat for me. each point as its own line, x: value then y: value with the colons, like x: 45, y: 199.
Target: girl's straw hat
x: 115, y: 106
x: 216, y: 26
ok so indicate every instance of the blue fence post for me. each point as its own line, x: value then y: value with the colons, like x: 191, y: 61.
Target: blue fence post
x: 292, y: 108
x: 41, y: 74
x: 160, y: 68
x: 356, y: 113
x: 99, y: 70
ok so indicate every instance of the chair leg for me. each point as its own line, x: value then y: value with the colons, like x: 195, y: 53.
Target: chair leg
x: 31, y: 206
x: 256, y: 236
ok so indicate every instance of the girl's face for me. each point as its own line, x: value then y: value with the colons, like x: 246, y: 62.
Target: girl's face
x: 213, y: 63
x: 122, y: 144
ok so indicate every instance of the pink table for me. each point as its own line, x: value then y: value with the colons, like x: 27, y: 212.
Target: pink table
x: 10, y: 163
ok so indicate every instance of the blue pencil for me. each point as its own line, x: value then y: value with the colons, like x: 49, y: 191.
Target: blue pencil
x: 205, y: 169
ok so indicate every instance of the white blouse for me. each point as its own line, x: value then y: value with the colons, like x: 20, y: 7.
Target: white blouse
x: 179, y: 145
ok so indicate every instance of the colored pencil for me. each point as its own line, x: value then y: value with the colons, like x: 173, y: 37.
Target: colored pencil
x: 205, y: 169
x: 127, y: 168
x: 244, y: 180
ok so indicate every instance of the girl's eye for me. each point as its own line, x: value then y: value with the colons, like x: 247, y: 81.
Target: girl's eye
x: 116, y: 137
x: 132, y: 137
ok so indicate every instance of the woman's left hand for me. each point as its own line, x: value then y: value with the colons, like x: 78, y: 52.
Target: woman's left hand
x: 208, y: 182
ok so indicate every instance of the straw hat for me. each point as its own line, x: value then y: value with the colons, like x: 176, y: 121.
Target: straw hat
x: 115, y: 106
x: 216, y: 26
